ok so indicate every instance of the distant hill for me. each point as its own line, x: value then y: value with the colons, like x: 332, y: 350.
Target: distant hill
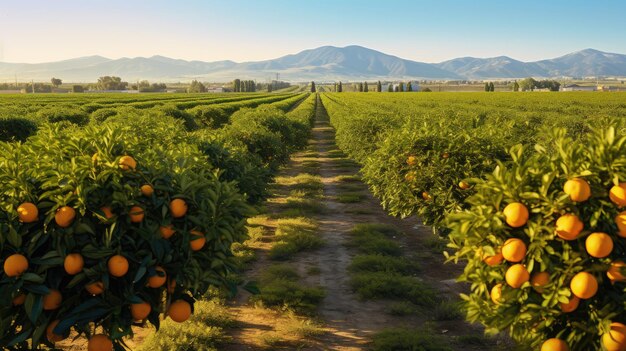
x: 324, y: 63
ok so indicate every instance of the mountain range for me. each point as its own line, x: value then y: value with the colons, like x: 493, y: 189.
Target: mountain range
x: 326, y: 63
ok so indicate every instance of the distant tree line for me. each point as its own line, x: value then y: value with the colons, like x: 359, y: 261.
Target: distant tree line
x: 530, y: 84
x: 145, y: 87
x: 244, y: 86
x: 490, y: 87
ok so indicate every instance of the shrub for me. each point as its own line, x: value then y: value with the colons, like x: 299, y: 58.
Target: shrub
x: 16, y: 129
x: 209, y: 116
x: 63, y: 114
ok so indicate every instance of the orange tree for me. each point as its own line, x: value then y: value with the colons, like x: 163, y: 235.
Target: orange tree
x: 543, y: 244
x: 109, y: 227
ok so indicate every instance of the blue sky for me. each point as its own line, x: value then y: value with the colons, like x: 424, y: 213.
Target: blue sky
x: 244, y: 30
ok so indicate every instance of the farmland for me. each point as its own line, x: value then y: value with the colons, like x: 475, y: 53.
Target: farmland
x: 296, y: 220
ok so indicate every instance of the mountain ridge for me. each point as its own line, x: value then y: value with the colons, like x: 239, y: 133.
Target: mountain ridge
x: 325, y: 63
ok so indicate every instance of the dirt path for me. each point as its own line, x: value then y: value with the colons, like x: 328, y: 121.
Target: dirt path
x: 348, y: 321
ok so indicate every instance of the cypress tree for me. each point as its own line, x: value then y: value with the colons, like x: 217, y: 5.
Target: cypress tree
x: 379, y: 87
x: 360, y: 87
x: 409, y: 87
x: 237, y: 85
x: 365, y: 88
x: 401, y: 87
x: 390, y: 88
x: 491, y: 87
x: 486, y: 86
x: 312, y: 86
x: 516, y: 86
x: 340, y: 88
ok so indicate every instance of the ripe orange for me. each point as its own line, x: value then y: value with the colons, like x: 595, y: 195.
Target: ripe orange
x: 128, y: 163
x: 15, y: 265
x: 515, y: 214
x: 411, y: 161
x: 514, y: 250
x: 178, y: 208
x: 157, y: 281
x: 52, y: 300
x: 571, y: 306
x: 140, y: 311
x: 445, y: 155
x: 578, y: 189
x: 196, y: 243
x: 539, y: 280
x: 118, y: 266
x: 554, y: 344
x: 108, y: 213
x: 52, y: 337
x: 100, y: 342
x: 617, y: 194
x: 516, y: 276
x: 620, y: 220
x: 599, y: 245
x: 614, y: 273
x: 19, y: 299
x: 496, y: 293
x: 73, y: 263
x: 179, y: 311
x: 568, y: 226
x: 426, y: 196
x: 65, y: 216
x: 28, y: 212
x: 584, y: 285
x: 464, y: 185
x: 167, y: 231
x: 147, y: 190
x: 615, y: 338
x: 493, y: 260
x: 136, y: 214
x: 96, y: 288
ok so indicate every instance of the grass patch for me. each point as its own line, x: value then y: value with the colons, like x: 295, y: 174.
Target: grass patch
x: 280, y: 287
x: 345, y: 163
x: 373, y: 242
x: 349, y: 198
x: 360, y: 211
x: 303, y: 181
x: 314, y: 270
x: 204, y: 331
x: 303, y: 328
x: 376, y: 285
x: 381, y: 263
x: 348, y: 178
x: 309, y: 154
x: 447, y: 311
x: 351, y: 187
x: 335, y: 154
x: 294, y: 235
x: 410, y: 340
x: 402, y: 308
x: 305, y: 205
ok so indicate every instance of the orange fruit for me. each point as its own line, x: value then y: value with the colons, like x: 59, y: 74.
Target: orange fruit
x: 167, y: 231
x: 554, y: 344
x: 15, y: 265
x: 157, y: 281
x: 516, y: 276
x: 140, y: 311
x: 599, y: 245
x: 147, y: 190
x: 514, y: 250
x: 493, y: 260
x: 179, y: 311
x: 65, y: 216
x: 73, y: 263
x: 615, y: 338
x: 19, y: 299
x: 620, y: 220
x: 445, y: 155
x: 411, y: 161
x: 614, y: 273
x: 515, y: 214
x: 118, y: 266
x: 409, y: 177
x: 28, y: 212
x: 571, y: 306
x: 464, y: 185
x: 568, y: 226
x: 96, y: 288
x: 539, y: 280
x: 578, y: 189
x: 197, y: 243
x: 617, y: 194
x: 52, y: 337
x: 426, y: 196
x: 496, y: 293
x: 136, y: 214
x: 584, y: 285
x: 108, y: 213
x: 128, y: 163
x: 52, y: 300
x: 178, y: 208
x: 100, y: 342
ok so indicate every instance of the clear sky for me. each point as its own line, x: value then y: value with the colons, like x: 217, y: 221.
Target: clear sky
x: 246, y: 30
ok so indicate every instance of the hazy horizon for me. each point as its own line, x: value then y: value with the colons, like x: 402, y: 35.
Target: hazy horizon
x: 245, y: 30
